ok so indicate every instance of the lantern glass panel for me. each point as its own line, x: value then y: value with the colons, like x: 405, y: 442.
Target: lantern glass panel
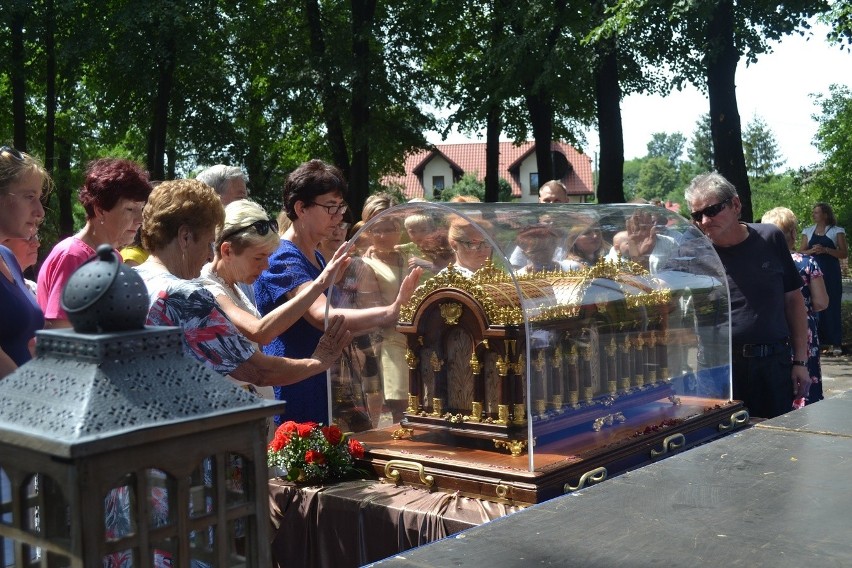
x: 202, y: 488
x: 237, y: 541
x: 5, y: 498
x: 238, y: 473
x: 161, y: 491
x: 164, y: 553
x: 119, y: 517
x: 202, y: 546
x: 119, y: 559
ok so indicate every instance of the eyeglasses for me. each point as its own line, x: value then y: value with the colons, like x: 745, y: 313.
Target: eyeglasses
x: 343, y: 226
x: 473, y: 245
x: 333, y: 209
x: 262, y: 227
x: 16, y: 154
x: 379, y: 231
x: 710, y: 211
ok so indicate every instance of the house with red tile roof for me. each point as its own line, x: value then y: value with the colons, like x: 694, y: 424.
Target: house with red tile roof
x: 427, y: 172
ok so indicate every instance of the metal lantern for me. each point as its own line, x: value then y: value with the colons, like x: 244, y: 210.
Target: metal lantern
x: 116, y: 450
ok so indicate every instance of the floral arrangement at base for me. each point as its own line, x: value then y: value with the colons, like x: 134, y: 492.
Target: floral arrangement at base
x: 308, y: 452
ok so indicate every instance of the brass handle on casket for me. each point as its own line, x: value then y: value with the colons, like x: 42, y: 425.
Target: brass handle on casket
x: 670, y: 444
x: 737, y: 419
x: 594, y: 476
x: 395, y: 476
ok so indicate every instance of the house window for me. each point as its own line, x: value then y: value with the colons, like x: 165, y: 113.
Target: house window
x: 437, y: 186
x: 533, y: 183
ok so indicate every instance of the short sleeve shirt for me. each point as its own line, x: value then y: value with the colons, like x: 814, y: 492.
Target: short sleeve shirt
x: 62, y: 261
x: 208, y: 335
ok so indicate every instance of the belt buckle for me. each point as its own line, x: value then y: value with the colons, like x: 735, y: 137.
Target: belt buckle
x: 754, y: 350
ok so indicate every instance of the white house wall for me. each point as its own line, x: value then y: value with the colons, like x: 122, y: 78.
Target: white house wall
x: 437, y: 166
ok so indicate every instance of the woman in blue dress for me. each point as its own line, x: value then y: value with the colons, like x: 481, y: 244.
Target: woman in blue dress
x: 827, y: 242
x: 313, y: 200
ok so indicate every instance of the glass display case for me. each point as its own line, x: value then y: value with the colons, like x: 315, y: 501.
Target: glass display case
x: 545, y: 348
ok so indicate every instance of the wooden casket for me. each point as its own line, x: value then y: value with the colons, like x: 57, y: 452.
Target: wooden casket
x: 525, y: 384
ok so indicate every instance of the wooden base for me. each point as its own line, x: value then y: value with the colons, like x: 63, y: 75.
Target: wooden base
x: 434, y: 458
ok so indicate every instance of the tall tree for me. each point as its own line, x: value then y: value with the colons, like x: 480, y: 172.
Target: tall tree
x: 762, y: 155
x: 667, y: 146
x: 702, y: 42
x: 700, y: 151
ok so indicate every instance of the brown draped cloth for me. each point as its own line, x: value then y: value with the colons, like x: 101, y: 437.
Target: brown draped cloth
x: 356, y: 522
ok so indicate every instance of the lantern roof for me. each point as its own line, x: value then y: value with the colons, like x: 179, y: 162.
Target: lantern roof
x: 87, y: 393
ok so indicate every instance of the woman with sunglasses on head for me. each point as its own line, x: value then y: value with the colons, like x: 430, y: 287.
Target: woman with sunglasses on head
x: 22, y: 182
x: 241, y: 254
x: 313, y: 198
x: 179, y: 231
x: 113, y: 196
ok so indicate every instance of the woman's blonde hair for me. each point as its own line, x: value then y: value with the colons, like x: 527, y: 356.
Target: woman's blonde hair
x: 785, y: 220
x: 377, y: 203
x: 176, y: 203
x: 238, y: 229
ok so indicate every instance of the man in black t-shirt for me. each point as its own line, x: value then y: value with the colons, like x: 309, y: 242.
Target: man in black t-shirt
x: 768, y: 317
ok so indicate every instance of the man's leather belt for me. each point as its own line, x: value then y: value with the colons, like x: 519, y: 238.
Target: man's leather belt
x: 761, y: 349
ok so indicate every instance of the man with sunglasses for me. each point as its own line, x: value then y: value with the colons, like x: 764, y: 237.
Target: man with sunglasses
x: 768, y: 318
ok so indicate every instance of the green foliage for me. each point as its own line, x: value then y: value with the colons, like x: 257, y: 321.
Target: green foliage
x: 667, y: 146
x: 471, y: 185
x: 831, y: 180
x: 700, y: 151
x: 632, y: 168
x: 657, y: 178
x: 762, y: 156
x: 779, y: 191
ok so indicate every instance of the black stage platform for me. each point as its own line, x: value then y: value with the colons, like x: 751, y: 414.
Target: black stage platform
x: 778, y: 494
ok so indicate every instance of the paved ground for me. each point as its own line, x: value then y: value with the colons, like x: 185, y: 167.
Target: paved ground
x: 836, y: 374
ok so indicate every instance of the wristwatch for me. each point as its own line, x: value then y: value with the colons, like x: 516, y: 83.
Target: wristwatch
x: 799, y: 363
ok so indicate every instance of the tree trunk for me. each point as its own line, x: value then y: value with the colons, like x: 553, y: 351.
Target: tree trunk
x: 331, y: 102
x: 18, y: 79
x: 608, y: 94
x: 494, y: 127
x: 160, y: 123
x: 62, y: 180
x: 50, y: 95
x: 363, y: 12
x: 725, y: 127
x: 541, y: 116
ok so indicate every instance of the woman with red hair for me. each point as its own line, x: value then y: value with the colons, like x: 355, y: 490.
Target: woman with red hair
x: 113, y: 195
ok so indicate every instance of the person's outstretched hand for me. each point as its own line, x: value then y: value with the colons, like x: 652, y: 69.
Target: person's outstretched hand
x: 335, y: 267
x: 409, y: 284
x: 333, y: 341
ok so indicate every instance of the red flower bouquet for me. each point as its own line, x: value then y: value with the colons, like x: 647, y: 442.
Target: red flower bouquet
x: 309, y: 452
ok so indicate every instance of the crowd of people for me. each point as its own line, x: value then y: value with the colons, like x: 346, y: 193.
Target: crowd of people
x: 251, y: 291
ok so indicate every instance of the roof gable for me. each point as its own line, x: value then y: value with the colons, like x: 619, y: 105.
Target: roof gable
x: 470, y: 158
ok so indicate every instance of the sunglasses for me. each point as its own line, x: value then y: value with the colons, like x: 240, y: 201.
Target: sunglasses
x: 710, y: 211
x: 261, y: 227
x: 333, y: 209
x: 16, y: 154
